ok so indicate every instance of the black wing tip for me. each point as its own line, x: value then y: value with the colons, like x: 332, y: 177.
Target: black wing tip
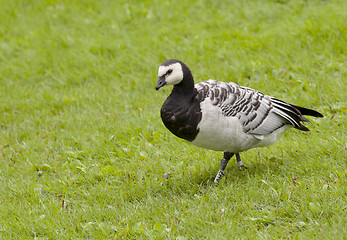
x: 319, y: 115
x: 302, y: 128
x: 308, y: 112
x: 312, y: 113
x: 304, y: 119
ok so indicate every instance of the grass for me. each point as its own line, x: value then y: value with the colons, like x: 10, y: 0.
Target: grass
x: 83, y: 149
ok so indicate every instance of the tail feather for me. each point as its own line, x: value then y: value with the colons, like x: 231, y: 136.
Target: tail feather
x: 294, y: 114
x: 308, y: 112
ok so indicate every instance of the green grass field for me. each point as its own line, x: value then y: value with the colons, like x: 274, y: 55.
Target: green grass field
x: 83, y: 150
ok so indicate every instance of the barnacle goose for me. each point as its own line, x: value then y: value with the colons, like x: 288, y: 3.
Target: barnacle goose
x: 224, y: 116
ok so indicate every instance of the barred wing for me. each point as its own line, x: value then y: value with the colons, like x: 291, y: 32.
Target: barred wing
x: 258, y: 113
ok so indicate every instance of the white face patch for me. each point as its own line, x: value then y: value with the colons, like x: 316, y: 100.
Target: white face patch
x: 173, y: 73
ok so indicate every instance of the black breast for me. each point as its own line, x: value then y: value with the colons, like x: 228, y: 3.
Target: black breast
x: 181, y: 114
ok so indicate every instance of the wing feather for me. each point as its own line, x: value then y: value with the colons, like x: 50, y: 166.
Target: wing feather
x: 258, y: 113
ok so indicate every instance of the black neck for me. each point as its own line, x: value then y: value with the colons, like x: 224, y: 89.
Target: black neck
x: 187, y: 84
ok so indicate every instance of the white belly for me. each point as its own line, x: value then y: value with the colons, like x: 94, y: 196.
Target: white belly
x: 272, y: 137
x: 220, y: 133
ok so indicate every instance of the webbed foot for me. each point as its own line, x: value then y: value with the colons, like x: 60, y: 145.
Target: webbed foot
x: 239, y: 163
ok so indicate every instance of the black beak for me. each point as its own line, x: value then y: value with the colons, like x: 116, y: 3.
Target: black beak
x: 161, y: 82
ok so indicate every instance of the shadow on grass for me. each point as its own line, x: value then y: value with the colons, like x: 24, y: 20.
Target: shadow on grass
x: 198, y: 178
x: 195, y: 182
x: 271, y: 167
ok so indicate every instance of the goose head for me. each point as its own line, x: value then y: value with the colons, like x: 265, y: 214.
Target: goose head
x: 173, y: 72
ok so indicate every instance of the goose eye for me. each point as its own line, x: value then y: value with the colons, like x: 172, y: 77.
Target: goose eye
x: 169, y: 71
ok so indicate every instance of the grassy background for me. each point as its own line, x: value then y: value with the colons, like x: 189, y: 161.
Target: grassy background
x: 78, y: 104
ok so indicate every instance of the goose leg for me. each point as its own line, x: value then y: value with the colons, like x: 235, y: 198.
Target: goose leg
x: 239, y: 163
x: 223, y: 164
